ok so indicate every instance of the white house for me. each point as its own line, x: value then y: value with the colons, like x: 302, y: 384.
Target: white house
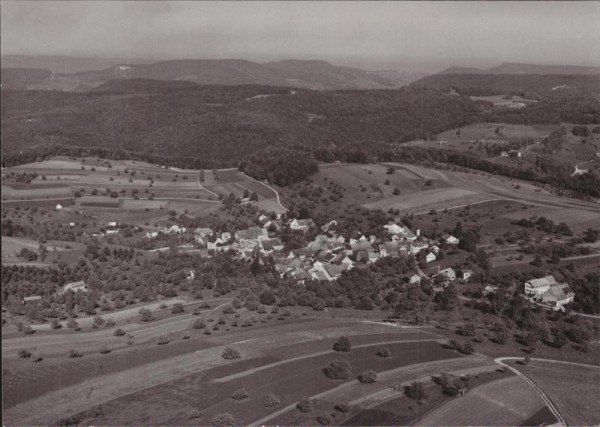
x: 112, y: 227
x: 430, y: 257
x: 466, y: 274
x: 415, y: 279
x: 79, y: 286
x: 58, y: 206
x: 451, y: 240
x: 151, y: 234
x: 393, y: 228
x: 557, y: 296
x: 489, y: 289
x: 301, y: 224
x: 537, y: 287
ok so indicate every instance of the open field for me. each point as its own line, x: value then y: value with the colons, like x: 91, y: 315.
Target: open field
x: 573, y: 389
x: 507, y: 401
x: 11, y: 246
x: 111, y: 386
x: 63, y: 177
x: 289, y: 382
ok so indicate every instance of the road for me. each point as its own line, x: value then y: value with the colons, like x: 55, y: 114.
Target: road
x: 272, y: 189
x: 545, y: 398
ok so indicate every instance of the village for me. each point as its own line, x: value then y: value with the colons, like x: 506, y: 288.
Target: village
x: 330, y: 254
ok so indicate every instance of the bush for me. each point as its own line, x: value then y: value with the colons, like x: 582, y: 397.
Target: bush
x: 75, y: 354
x: 28, y: 330
x: 230, y: 353
x: 198, y: 324
x: 24, y: 354
x: 417, y: 391
x: 177, y: 308
x: 368, y: 377
x: 72, y: 323
x: 104, y: 350
x: 240, y: 394
x: 119, y: 332
x: 109, y: 323
x: 55, y: 324
x: 36, y: 357
x: 145, y: 315
x: 228, y: 310
x: 339, y: 369
x: 342, y: 407
x: 325, y: 419
x: 162, y: 340
x: 98, y: 321
x: 271, y: 401
x: 384, y: 352
x: 223, y: 420
x: 343, y: 344
x: 305, y: 405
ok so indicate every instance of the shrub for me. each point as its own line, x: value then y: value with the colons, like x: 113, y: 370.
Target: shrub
x: 198, y: 324
x: 384, y: 352
x: 240, y: 394
x: 28, y: 330
x: 230, y: 353
x: 339, y: 369
x: 228, y: 310
x: 177, y: 308
x: 223, y: 420
x: 24, y: 354
x: 305, y: 405
x: 185, y: 337
x: 417, y: 391
x: 55, y: 324
x: 75, y: 354
x: 368, y: 377
x: 72, y: 323
x: 162, y: 340
x: 119, y: 332
x: 271, y: 401
x: 325, y: 419
x: 343, y: 344
x: 342, y: 407
x: 98, y: 321
x: 145, y: 315
x: 36, y: 357
x: 104, y: 350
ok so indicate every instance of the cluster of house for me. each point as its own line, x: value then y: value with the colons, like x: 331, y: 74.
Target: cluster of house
x: 324, y: 258
x: 548, y: 291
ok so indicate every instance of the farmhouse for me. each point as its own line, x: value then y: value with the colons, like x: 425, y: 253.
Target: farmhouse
x: 450, y: 239
x: 151, y: 234
x: 415, y: 279
x: 58, y: 206
x: 537, y: 287
x: 32, y: 299
x: 112, y: 227
x: 174, y: 229
x: 466, y: 274
x: 302, y: 224
x: 449, y: 274
x: 489, y: 289
x: 79, y: 286
x: 557, y: 296
x: 430, y: 257
x: 252, y: 233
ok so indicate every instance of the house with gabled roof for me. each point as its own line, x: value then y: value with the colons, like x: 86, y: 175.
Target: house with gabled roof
x: 450, y: 239
x: 430, y: 257
x: 415, y: 279
x: 536, y: 287
x: 78, y: 286
x: 302, y: 224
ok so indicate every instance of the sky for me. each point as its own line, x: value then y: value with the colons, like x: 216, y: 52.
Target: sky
x: 405, y: 36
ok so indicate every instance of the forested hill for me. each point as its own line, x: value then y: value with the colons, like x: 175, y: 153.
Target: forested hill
x: 221, y: 125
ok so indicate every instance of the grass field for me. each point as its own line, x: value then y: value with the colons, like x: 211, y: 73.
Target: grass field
x: 499, y: 100
x: 507, y: 401
x: 289, y: 382
x: 574, y: 390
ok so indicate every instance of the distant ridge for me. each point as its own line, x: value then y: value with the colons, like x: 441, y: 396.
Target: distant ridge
x: 308, y: 74
x: 143, y: 86
x: 516, y: 68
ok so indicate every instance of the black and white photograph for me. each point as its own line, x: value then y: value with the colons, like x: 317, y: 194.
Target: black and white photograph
x: 300, y: 213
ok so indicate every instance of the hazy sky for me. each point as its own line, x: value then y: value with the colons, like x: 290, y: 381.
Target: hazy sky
x: 375, y: 35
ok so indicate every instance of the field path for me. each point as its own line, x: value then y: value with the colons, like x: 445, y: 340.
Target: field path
x: 205, y: 189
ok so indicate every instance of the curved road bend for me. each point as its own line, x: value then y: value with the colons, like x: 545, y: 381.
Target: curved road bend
x: 545, y: 398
